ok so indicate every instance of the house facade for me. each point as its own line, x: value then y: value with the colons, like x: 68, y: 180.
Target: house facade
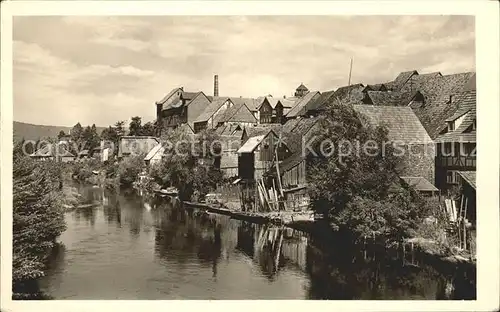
x: 180, y: 107
x: 456, y: 148
x: 136, y: 145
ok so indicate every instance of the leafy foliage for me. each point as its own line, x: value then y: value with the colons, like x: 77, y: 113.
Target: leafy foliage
x: 38, y: 218
x: 129, y: 169
x: 355, y: 183
x: 187, y: 163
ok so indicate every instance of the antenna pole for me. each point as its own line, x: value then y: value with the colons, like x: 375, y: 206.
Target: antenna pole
x: 350, y: 72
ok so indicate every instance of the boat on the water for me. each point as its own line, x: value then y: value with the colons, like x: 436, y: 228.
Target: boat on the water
x: 170, y: 191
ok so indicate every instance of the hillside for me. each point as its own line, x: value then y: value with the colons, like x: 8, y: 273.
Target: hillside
x: 33, y: 132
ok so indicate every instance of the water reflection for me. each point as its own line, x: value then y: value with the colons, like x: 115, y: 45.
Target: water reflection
x: 133, y: 247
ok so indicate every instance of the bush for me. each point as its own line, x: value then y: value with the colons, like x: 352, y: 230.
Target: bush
x: 358, y: 191
x: 129, y: 169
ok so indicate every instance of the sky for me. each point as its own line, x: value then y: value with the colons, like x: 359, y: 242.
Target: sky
x: 98, y: 70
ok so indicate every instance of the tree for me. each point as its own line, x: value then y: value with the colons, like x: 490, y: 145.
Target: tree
x: 135, y: 127
x: 61, y: 134
x: 38, y: 219
x: 77, y: 132
x: 120, y: 131
x: 149, y: 129
x: 187, y: 163
x: 355, y: 189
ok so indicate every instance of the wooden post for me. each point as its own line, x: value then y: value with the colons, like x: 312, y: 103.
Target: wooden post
x: 465, y: 229
x: 278, y: 172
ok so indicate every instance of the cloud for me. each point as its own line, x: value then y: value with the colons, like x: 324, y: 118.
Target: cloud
x: 102, y: 69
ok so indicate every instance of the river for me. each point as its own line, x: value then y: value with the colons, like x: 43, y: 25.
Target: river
x: 129, y: 247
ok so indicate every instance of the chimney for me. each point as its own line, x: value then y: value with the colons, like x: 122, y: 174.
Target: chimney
x: 216, y: 85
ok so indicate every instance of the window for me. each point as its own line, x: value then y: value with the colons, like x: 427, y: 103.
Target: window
x: 451, y: 125
x: 474, y: 125
x: 452, y: 177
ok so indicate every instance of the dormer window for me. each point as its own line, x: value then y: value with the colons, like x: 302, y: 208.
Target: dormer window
x: 451, y: 125
x: 474, y: 125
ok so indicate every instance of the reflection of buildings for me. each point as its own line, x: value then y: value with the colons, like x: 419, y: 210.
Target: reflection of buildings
x: 272, y: 247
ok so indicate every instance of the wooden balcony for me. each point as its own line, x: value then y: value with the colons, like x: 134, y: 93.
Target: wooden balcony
x: 456, y: 162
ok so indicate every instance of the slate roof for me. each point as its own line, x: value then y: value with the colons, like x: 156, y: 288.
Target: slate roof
x: 211, y: 109
x: 464, y: 132
x: 401, y: 122
x: 469, y: 177
x: 420, y: 184
x: 401, y: 79
x: 389, y: 98
x: 296, y: 110
x: 169, y: 95
x: 437, y: 91
x: 349, y: 94
x: 375, y: 87
x: 172, y: 100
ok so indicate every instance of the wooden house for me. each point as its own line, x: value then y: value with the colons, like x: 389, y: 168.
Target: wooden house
x: 155, y: 155
x: 179, y: 107
x: 467, y: 182
x: 227, y: 160
x: 302, y: 104
x: 207, y: 119
x: 258, y: 151
x: 237, y: 114
x: 136, y: 145
x: 456, y: 148
x: 415, y: 148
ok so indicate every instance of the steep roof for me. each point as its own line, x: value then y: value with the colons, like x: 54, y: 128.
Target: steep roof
x: 302, y: 88
x: 349, y: 94
x: 262, y: 129
x: 169, y: 95
x: 420, y: 184
x: 437, y: 105
x: 228, y: 129
x: 211, y: 109
x: 389, y: 98
x: 401, y: 122
x: 464, y: 132
x: 322, y: 100
x: 251, y: 144
x: 401, y: 79
x: 469, y: 177
x: 251, y: 103
x: 296, y: 110
x: 158, y: 149
x: 239, y: 112
x: 176, y: 98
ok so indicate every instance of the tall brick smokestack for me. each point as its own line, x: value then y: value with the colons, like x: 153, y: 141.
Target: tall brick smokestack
x: 216, y: 85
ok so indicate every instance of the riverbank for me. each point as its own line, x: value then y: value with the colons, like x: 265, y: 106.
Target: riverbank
x: 304, y: 221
